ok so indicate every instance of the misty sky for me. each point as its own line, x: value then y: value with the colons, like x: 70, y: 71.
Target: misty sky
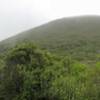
x: 20, y: 15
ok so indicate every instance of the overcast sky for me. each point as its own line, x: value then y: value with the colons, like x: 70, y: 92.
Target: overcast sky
x: 20, y: 15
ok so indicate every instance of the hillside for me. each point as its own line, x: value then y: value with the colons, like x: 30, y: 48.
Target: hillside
x: 75, y: 36
x: 71, y: 72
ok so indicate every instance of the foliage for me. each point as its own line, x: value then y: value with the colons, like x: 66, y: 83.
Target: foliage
x: 29, y: 73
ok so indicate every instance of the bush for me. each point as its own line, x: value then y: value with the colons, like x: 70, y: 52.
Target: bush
x: 29, y: 73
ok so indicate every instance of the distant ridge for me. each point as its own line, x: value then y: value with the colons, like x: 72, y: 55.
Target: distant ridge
x: 74, y: 35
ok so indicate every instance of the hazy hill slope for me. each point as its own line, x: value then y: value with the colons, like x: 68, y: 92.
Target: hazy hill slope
x: 78, y: 36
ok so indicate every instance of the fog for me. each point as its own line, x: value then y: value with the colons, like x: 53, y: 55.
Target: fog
x: 19, y: 15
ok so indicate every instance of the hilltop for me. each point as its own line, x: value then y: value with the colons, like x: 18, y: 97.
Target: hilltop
x: 76, y: 36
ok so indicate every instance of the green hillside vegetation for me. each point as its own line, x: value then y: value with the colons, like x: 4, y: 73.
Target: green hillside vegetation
x: 64, y: 66
x: 29, y: 73
x: 78, y: 37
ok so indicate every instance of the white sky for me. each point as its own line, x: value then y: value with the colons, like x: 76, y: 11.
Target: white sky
x: 19, y: 15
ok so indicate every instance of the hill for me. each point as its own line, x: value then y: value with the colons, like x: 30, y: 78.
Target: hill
x: 75, y: 36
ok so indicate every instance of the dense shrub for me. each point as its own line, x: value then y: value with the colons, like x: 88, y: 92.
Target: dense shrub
x: 29, y: 73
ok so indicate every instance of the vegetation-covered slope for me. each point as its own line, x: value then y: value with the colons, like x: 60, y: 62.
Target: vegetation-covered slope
x: 28, y: 73
x: 76, y: 36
